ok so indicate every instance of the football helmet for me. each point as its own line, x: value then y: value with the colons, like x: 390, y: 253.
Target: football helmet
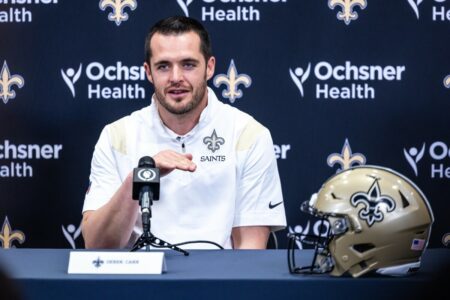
x: 376, y: 220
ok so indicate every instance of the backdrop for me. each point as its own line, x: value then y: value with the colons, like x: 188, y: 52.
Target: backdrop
x: 338, y: 83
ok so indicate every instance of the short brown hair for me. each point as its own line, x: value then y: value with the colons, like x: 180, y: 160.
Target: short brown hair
x: 177, y: 25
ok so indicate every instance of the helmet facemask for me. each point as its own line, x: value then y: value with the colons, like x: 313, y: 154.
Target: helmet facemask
x: 322, y: 260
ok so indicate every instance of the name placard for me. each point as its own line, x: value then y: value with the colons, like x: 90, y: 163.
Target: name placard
x: 94, y: 262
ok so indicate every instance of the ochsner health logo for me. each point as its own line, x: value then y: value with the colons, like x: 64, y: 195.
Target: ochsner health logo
x: 229, y: 10
x: 343, y: 81
x: 299, y: 76
x: 413, y: 156
x: 115, y: 81
x: 16, y: 11
x: 439, y: 11
x: 184, y: 6
x: 71, y: 77
x: 439, y: 157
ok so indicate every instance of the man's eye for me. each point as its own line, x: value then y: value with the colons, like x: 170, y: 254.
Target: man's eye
x: 162, y: 67
x: 189, y: 65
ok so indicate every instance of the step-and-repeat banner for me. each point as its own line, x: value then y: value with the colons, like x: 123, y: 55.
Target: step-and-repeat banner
x: 338, y: 83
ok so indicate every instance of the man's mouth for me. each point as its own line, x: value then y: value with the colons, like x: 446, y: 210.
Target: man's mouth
x: 178, y: 91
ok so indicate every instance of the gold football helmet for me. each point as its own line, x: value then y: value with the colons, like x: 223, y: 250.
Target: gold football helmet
x: 377, y: 220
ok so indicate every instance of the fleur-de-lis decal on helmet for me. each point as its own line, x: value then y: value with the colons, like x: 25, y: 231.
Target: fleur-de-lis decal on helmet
x: 346, y: 158
x: 8, y: 236
x: 7, y: 81
x: 347, y: 14
x: 232, y: 80
x: 118, y: 6
x: 372, y: 202
x: 213, y: 142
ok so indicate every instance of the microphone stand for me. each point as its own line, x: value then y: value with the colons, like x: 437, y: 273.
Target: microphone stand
x: 147, y: 239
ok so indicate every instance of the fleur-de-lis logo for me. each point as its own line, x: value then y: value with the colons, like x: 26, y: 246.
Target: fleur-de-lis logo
x: 213, y: 142
x: 346, y: 159
x: 98, y: 262
x: 232, y: 80
x: 184, y: 6
x: 446, y: 239
x: 415, y: 6
x: 372, y: 202
x: 8, y: 236
x: 447, y: 81
x: 7, y: 81
x: 347, y: 14
x: 118, y: 6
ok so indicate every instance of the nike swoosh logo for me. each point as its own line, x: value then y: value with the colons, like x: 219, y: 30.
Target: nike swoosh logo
x: 272, y: 206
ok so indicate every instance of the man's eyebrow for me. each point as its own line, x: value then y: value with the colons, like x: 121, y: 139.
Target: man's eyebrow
x: 161, y: 62
x: 189, y: 60
x: 185, y: 60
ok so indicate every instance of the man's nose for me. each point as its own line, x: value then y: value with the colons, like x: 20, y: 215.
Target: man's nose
x: 176, y: 75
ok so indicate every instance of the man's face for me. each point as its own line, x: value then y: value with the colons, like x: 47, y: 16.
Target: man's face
x: 179, y: 72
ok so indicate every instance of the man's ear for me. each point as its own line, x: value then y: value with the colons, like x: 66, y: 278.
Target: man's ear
x: 210, y: 67
x: 148, y: 72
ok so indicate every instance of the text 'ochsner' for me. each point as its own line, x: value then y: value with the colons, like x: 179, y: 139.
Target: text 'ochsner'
x: 17, y: 155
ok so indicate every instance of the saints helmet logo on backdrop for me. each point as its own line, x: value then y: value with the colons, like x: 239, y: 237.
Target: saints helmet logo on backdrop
x: 372, y: 202
x: 118, y: 6
x: 71, y: 77
x: 232, y: 80
x: 184, y: 6
x: 7, y: 81
x: 8, y: 236
x: 347, y: 14
x: 346, y: 159
x: 446, y: 239
x: 299, y: 76
x: 447, y: 81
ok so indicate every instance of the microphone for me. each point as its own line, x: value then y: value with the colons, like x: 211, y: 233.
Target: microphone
x: 146, y: 188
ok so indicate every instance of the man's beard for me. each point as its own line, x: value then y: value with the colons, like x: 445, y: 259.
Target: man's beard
x: 197, y: 97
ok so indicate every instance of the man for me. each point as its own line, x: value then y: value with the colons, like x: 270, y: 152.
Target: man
x: 219, y: 173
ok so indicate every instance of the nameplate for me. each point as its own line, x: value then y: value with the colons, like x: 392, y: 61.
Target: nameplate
x: 94, y: 262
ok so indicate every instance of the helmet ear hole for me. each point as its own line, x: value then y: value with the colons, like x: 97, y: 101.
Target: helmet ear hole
x: 405, y: 202
x: 361, y: 248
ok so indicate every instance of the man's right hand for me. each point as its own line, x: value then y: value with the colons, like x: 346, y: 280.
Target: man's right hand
x: 169, y: 160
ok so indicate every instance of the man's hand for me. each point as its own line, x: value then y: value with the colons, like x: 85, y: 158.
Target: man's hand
x: 169, y: 160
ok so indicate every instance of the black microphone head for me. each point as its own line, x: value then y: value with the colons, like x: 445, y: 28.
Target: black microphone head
x: 146, y: 162
x: 146, y: 174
